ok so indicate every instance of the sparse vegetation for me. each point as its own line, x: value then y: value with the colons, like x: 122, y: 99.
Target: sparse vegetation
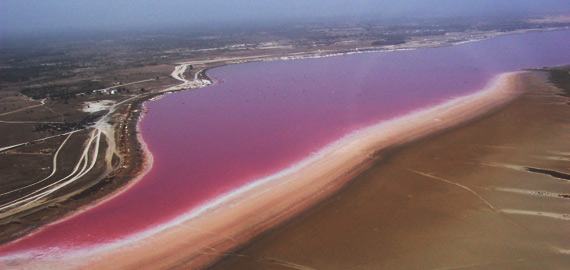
x: 66, y: 127
x: 561, y: 78
x: 81, y: 66
x: 63, y: 91
x: 65, y: 71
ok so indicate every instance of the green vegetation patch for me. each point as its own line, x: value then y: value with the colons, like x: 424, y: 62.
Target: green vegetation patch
x: 63, y: 91
x: 561, y: 78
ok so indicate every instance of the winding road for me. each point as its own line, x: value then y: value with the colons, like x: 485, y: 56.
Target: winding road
x: 90, y: 152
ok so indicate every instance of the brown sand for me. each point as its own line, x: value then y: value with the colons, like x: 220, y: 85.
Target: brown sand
x: 456, y: 200
x: 200, y: 241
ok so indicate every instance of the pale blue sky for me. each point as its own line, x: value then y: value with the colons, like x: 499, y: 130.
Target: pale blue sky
x: 26, y: 15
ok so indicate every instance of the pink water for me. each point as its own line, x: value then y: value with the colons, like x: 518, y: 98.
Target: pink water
x: 263, y: 117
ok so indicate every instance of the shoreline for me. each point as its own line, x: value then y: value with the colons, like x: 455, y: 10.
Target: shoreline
x: 120, y: 179
x: 338, y: 163
x: 350, y: 157
x: 464, y: 197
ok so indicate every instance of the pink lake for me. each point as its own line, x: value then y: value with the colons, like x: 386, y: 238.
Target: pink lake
x: 263, y: 117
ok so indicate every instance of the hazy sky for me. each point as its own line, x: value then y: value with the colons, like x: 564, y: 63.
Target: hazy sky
x: 26, y: 15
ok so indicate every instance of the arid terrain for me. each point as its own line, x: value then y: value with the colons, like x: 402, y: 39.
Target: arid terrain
x: 489, y: 194
x: 69, y: 106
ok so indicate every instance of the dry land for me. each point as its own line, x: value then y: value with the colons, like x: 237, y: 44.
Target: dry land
x: 200, y: 241
x: 488, y: 194
x: 44, y: 93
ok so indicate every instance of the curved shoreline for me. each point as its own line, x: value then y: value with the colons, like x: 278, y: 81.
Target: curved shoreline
x: 132, y: 181
x: 137, y: 159
x: 444, y: 201
x: 322, y: 174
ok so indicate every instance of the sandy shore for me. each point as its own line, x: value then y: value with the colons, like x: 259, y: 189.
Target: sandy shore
x: 26, y: 222
x: 467, y: 198
x: 196, y: 241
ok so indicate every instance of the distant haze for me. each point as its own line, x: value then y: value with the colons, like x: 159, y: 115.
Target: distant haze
x: 49, y: 15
